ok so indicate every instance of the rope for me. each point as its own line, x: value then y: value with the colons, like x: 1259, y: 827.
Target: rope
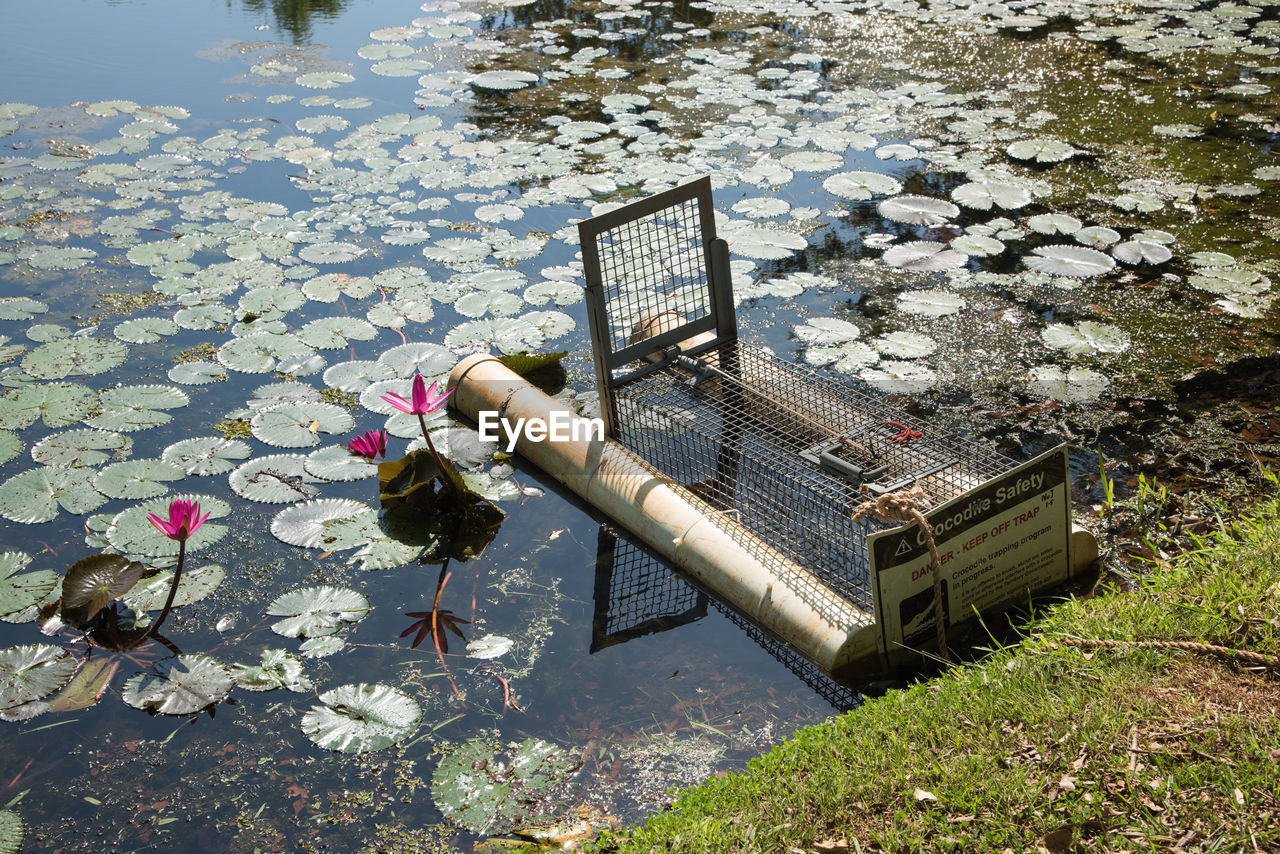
x: 1263, y: 659
x: 904, y: 506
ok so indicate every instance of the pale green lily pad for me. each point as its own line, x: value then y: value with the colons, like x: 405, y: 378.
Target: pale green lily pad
x: 1041, y: 150
x: 60, y: 257
x: 74, y: 356
x: 1076, y: 385
x: 203, y: 316
x: 85, y: 448
x: 336, y: 333
x: 985, y: 195
x: 357, y: 375
x: 323, y: 79
x: 430, y: 360
x: 488, y: 791
x: 197, y: 373
x: 1067, y: 260
x: 931, y: 303
x: 271, y: 302
x: 1086, y: 338
x: 131, y: 533
x: 861, y: 186
x: 133, y: 479
x: 977, y: 245
x: 333, y: 252
x: 905, y: 345
x: 192, y: 683
x: 145, y: 330
x: 32, y: 672
x: 827, y: 330
x: 321, y: 647
x: 1141, y: 252
x: 58, y: 404
x: 508, y: 334
x: 151, y: 593
x: 331, y: 286
x: 384, y: 553
x: 206, y: 454
x: 10, y: 446
x: 298, y: 425
x: 917, y: 210
x: 278, y: 669
x: 309, y: 525
x: 336, y: 463
x: 274, y: 479
x: 361, y: 718
x: 900, y: 377
x: 317, y: 611
x: 12, y: 831
x: 924, y: 256
x: 21, y: 592
x: 847, y: 356
x: 35, y: 496
x: 20, y: 308
x: 1055, y: 223
x: 765, y: 243
x: 136, y: 407
x: 489, y: 646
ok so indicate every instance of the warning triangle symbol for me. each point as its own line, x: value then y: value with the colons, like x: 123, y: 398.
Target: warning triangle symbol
x: 903, y: 548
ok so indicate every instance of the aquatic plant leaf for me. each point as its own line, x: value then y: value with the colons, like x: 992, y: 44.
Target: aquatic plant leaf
x: 58, y: 404
x: 32, y: 672
x: 1067, y: 260
x: 905, y: 345
x: 192, y: 683
x: 323, y: 79
x: 765, y: 243
x: 900, y: 377
x: 827, y: 330
x: 977, y: 245
x: 1097, y: 236
x: 35, y: 495
x: 206, y: 454
x: 1141, y: 252
x: 274, y: 479
x: 321, y: 647
x: 931, y: 303
x: 461, y: 445
x: 489, y: 646
x: 21, y: 591
x: 848, y: 356
x: 1076, y: 385
x: 333, y: 252
x: 924, y: 256
x: 195, y: 584
x: 336, y: 463
x: 74, y: 356
x: 316, y: 611
x: 508, y: 334
x: 10, y: 445
x: 134, y: 479
x: 278, y: 669
x: 488, y: 791
x: 860, y: 186
x: 130, y: 532
x: 271, y: 302
x: 1139, y: 202
x: 203, y: 316
x: 1041, y: 150
x: 20, y: 308
x: 334, y: 333
x: 331, y: 286
x: 1238, y: 282
x: 272, y: 395
x: 503, y: 80
x: 1086, y: 338
x: 357, y: 375
x: 985, y: 195
x: 87, y: 687
x: 309, y: 525
x: 145, y: 330
x: 12, y: 831
x: 84, y: 448
x: 361, y: 718
x: 91, y: 584
x: 59, y: 257
x: 299, y: 425
x: 917, y: 210
x: 1054, y: 223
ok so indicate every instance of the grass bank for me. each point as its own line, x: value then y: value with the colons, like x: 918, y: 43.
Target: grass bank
x: 1043, y: 745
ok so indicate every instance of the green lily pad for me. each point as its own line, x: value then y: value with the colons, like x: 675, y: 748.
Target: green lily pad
x: 206, y: 454
x: 361, y: 718
x: 278, y: 669
x: 85, y: 448
x: 74, y: 356
x: 197, y: 373
x: 1067, y: 260
x: 91, y: 584
x: 131, y: 408
x: 1076, y: 385
x: 489, y: 646
x: 20, y: 308
x: 10, y: 445
x: 12, y: 830
x: 21, y: 592
x: 336, y: 463
x: 274, y: 479
x: 192, y: 683
x: 133, y: 479
x: 58, y: 404
x: 196, y: 584
x: 131, y: 533
x: 335, y: 333
x: 34, y: 496
x: 931, y: 303
x: 488, y: 791
x: 145, y: 330
x: 317, y: 611
x: 32, y: 672
x: 1086, y: 338
x: 299, y: 425
x: 311, y: 525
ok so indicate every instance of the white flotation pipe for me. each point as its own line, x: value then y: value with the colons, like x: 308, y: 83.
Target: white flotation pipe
x: 718, y: 553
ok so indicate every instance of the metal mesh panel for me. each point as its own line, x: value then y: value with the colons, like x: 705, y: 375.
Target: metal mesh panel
x: 637, y: 593
x: 652, y: 265
x: 749, y: 438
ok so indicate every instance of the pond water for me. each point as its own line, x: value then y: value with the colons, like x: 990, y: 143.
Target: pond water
x: 227, y: 228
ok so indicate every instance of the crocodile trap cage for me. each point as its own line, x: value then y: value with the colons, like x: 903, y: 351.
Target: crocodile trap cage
x: 771, y: 447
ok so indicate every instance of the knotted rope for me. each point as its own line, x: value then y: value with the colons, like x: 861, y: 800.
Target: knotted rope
x: 900, y: 507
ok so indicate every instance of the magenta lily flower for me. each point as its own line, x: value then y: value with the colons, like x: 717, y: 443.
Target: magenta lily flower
x: 371, y: 445
x: 425, y: 401
x: 184, y: 520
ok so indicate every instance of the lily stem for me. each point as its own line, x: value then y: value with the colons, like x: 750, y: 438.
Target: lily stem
x: 173, y: 588
x: 432, y: 447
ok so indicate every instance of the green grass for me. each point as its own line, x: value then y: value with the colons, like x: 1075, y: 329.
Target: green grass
x: 1041, y: 745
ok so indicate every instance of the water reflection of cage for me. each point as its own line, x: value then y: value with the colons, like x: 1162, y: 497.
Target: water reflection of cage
x: 781, y: 451
x: 637, y: 593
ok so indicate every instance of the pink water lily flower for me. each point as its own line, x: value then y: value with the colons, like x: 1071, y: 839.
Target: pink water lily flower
x: 425, y: 401
x: 184, y: 520
x: 371, y: 445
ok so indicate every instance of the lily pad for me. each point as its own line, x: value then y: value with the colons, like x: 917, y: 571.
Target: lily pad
x: 917, y: 210
x: 985, y: 195
x: 58, y: 404
x: 931, y: 303
x: 34, y: 496
x: 192, y: 683
x: 489, y: 646
x: 196, y: 584
x: 136, y: 407
x: 74, y: 356
x: 133, y: 479
x: 298, y: 425
x: 860, y: 186
x: 361, y: 718
x: 32, y: 672
x: 91, y: 584
x: 488, y: 791
x: 316, y: 611
x: 1041, y: 150
x: 206, y: 454
x: 900, y: 377
x: 1076, y: 385
x: 21, y: 591
x: 1141, y: 252
x: 274, y: 479
x: 80, y: 448
x: 766, y: 243
x: 1067, y: 260
x: 356, y: 376
x: 278, y: 669
x: 131, y: 533
x: 309, y: 525
x: 336, y: 463
x: 924, y: 256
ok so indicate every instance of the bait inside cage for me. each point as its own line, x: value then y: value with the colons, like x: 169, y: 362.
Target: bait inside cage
x: 780, y: 450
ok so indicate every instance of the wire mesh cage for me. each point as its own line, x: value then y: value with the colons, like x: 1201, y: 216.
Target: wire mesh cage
x: 781, y: 451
